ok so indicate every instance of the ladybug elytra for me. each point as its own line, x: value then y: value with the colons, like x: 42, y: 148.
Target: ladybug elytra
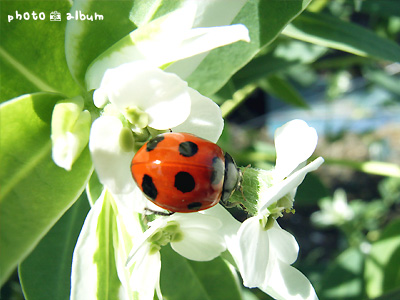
x: 181, y: 172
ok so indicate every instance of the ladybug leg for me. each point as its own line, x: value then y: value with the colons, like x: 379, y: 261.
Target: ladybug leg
x: 159, y: 213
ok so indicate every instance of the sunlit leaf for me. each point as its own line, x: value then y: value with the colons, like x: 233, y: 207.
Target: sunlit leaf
x: 34, y: 191
x: 382, y: 273
x: 344, y: 278
x: 32, y: 52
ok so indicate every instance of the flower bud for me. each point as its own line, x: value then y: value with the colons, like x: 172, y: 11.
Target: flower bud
x: 70, y: 128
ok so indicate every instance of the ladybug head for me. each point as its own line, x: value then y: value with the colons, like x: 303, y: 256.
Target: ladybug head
x: 232, y: 180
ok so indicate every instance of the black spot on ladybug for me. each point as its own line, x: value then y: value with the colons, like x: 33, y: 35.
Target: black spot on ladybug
x: 184, y: 182
x: 152, y: 144
x: 218, y: 170
x: 188, y: 149
x: 194, y: 206
x: 148, y: 187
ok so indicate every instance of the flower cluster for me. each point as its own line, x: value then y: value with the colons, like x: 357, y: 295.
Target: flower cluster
x: 140, y: 91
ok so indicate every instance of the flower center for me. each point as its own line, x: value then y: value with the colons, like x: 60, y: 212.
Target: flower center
x: 169, y: 233
x: 136, y: 116
x: 276, y: 210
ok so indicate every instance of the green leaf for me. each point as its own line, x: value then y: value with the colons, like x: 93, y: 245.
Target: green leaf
x: 386, y: 8
x: 144, y: 11
x: 85, y: 40
x: 382, y: 273
x: 108, y: 283
x: 212, y: 280
x: 332, y: 32
x: 344, y: 277
x: 265, y: 20
x: 390, y: 296
x: 94, y: 188
x: 34, y: 191
x: 283, y: 90
x: 280, y: 59
x: 45, y: 273
x: 32, y: 55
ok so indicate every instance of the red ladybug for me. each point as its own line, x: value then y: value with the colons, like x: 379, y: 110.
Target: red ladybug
x: 181, y: 172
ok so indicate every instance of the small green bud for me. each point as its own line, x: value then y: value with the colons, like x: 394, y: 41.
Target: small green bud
x: 126, y: 140
x: 136, y: 116
x: 172, y: 226
x: 154, y: 248
x: 177, y: 237
x: 267, y: 222
x: 285, y: 202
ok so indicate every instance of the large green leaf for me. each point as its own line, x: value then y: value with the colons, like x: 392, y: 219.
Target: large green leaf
x: 34, y: 191
x: 344, y: 277
x: 85, y: 40
x: 382, y: 273
x: 45, y: 273
x: 32, y: 56
x: 185, y: 279
x: 332, y: 32
x: 265, y: 20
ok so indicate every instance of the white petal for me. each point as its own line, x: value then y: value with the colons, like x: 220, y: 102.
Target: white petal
x: 205, y: 118
x: 288, y: 283
x: 254, y: 247
x: 202, y: 240
x: 65, y: 149
x: 280, y: 189
x: 112, y: 164
x: 294, y: 142
x: 84, y: 270
x: 200, y: 245
x: 200, y: 40
x: 163, y: 96
x: 283, y: 244
x: 230, y: 225
x: 154, y: 42
x: 146, y: 274
x: 209, y: 13
x: 140, y: 244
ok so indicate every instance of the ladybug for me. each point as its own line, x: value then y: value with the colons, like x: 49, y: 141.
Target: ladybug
x: 181, y: 172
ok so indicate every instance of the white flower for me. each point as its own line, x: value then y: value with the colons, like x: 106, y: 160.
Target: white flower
x: 336, y: 211
x: 195, y: 236
x: 263, y: 251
